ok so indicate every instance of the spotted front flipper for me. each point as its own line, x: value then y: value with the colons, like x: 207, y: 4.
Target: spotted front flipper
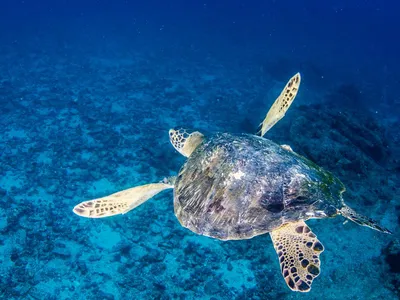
x: 298, y: 250
x: 120, y: 202
x: 350, y: 214
x: 281, y: 104
x: 184, y: 142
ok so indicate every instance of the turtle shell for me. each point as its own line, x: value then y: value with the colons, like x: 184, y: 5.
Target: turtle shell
x: 240, y: 186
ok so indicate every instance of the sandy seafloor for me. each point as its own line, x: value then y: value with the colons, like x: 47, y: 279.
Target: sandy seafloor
x: 80, y: 122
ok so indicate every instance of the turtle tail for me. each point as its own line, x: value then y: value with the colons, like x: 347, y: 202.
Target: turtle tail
x: 350, y: 214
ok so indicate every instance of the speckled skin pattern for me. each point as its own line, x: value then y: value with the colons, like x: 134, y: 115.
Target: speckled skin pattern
x: 240, y: 186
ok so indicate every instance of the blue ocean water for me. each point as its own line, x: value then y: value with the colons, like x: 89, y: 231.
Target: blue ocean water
x: 89, y: 89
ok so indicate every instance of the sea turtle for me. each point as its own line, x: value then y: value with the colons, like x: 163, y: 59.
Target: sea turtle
x: 237, y: 186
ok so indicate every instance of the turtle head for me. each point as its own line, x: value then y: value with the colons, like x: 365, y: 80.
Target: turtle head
x: 184, y: 141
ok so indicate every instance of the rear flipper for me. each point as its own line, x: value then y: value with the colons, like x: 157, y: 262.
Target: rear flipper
x: 350, y: 214
x: 121, y: 202
x: 298, y: 250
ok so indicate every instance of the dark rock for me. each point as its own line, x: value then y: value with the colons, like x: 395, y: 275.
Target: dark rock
x: 82, y: 267
x: 157, y: 269
x: 229, y: 266
x: 124, y: 248
x: 159, y: 286
x: 104, y: 296
x: 62, y: 252
x: 392, y: 256
x: 94, y: 257
x: 212, y: 287
x: 14, y: 255
x: 394, y: 262
x: 153, y: 256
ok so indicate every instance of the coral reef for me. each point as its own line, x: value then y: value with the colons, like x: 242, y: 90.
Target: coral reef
x: 86, y: 123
